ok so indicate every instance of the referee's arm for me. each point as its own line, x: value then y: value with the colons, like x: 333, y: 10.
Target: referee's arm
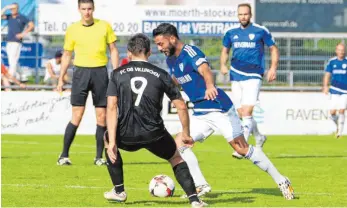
x: 114, y: 55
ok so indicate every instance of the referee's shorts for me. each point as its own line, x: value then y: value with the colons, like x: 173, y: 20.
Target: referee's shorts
x: 87, y: 79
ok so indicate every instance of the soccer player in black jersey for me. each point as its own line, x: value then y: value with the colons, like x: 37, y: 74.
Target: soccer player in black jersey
x: 134, y: 103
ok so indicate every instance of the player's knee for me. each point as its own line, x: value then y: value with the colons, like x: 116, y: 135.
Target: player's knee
x: 240, y: 145
x: 101, y: 116
x: 175, y: 159
x: 247, y: 110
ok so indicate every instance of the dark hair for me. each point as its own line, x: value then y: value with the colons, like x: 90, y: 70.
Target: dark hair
x: 139, y: 43
x: 165, y: 29
x: 85, y: 1
x: 246, y: 5
x: 58, y: 54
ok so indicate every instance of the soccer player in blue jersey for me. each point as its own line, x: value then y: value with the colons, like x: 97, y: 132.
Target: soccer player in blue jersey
x: 246, y: 71
x: 336, y: 71
x: 213, y: 109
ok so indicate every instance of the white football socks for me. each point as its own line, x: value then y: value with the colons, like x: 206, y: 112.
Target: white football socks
x: 188, y: 155
x: 247, y: 126
x: 257, y: 156
x: 334, y: 118
x: 341, y: 123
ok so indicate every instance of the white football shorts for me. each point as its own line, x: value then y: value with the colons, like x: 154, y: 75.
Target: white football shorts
x: 228, y: 124
x: 245, y: 92
x: 338, y: 102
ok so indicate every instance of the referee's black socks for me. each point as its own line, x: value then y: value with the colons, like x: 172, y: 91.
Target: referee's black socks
x: 69, y: 136
x: 99, y: 136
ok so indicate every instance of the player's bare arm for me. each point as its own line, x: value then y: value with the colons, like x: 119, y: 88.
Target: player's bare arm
x: 112, y: 120
x: 183, y: 115
x: 275, y: 55
x: 175, y: 81
x: 211, y: 91
x: 326, y: 81
x: 224, y: 56
x: 114, y: 55
x: 65, y: 61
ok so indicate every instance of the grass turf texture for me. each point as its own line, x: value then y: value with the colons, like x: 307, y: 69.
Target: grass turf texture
x: 316, y: 165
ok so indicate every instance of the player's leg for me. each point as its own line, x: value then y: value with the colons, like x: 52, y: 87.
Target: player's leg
x: 79, y: 94
x: 258, y: 158
x: 165, y: 148
x: 199, y: 131
x: 334, y: 100
x: 342, y: 105
x: 231, y: 128
x: 99, y: 83
x: 115, y: 170
x: 250, y: 94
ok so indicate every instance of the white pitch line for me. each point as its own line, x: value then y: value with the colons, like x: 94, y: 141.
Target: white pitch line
x: 141, y: 189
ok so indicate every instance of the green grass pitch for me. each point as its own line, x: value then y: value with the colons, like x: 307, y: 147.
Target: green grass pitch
x: 316, y: 165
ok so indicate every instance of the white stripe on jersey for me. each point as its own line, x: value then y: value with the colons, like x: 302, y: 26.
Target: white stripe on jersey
x: 190, y: 50
x: 338, y: 89
x: 189, y: 53
x: 262, y: 27
x: 245, y: 74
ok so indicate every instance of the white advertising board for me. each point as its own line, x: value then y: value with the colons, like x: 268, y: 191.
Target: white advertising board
x: 198, y: 17
x: 278, y: 113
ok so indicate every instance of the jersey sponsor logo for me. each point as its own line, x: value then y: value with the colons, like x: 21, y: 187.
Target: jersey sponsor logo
x: 344, y: 66
x: 339, y: 71
x: 244, y: 45
x: 251, y: 36
x: 184, y: 79
x: 181, y: 66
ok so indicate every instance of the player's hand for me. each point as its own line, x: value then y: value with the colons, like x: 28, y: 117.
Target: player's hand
x: 60, y: 85
x: 211, y: 93
x: 20, y: 36
x: 271, y: 75
x: 224, y: 69
x: 112, y: 152
x: 187, y: 140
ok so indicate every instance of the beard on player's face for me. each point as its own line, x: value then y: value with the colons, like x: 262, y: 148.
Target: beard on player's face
x: 245, y: 23
x: 170, y: 51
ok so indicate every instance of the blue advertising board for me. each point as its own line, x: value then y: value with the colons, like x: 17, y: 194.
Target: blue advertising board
x: 27, y: 55
x: 319, y: 16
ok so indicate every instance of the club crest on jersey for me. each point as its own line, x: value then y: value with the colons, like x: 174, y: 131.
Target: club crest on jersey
x: 334, y: 65
x: 251, y: 36
x: 181, y: 66
x: 344, y: 66
x: 236, y: 37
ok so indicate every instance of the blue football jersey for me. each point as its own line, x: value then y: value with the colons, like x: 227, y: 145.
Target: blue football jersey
x: 185, y: 69
x: 338, y: 70
x: 247, y: 46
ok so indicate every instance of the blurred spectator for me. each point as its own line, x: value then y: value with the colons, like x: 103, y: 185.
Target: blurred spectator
x: 53, y: 70
x: 16, y: 32
x: 5, y: 77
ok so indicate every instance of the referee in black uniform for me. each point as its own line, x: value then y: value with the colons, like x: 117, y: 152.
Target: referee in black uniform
x: 135, y: 93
